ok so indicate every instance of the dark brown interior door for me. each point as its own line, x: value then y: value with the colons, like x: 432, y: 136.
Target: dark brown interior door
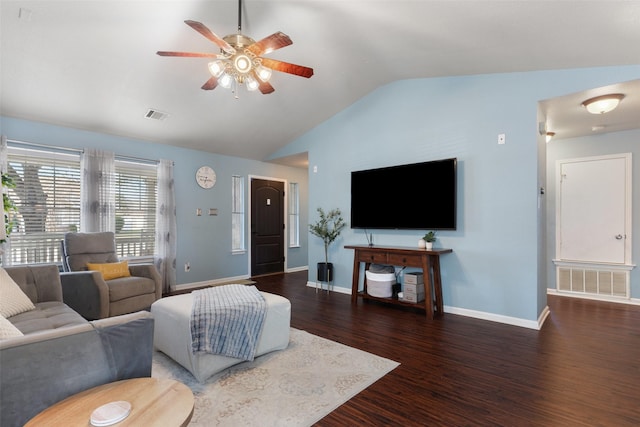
x: 267, y: 227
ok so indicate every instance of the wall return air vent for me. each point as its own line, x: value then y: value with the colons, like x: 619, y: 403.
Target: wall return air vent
x: 156, y: 115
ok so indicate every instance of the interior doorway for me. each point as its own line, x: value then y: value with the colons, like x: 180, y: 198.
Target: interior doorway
x: 267, y: 227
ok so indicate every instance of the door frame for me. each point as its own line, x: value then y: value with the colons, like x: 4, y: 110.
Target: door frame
x: 285, y: 209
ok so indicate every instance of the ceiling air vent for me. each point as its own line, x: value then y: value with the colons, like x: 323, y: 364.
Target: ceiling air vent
x: 156, y: 115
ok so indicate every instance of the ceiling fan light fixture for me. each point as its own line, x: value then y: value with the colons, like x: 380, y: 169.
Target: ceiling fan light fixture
x: 251, y: 83
x: 602, y: 104
x: 226, y: 80
x: 263, y: 73
x: 216, y: 68
x: 242, y: 63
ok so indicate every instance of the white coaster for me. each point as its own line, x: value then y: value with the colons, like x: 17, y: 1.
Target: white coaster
x: 110, y: 413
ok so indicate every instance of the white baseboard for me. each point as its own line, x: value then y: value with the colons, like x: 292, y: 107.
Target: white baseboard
x: 192, y: 285
x: 323, y: 286
x: 516, y: 321
x: 630, y: 301
x: 296, y: 269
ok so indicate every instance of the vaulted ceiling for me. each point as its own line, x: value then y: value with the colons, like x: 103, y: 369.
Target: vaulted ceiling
x: 93, y: 65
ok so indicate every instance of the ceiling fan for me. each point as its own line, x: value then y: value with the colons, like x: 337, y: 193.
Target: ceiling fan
x: 240, y: 60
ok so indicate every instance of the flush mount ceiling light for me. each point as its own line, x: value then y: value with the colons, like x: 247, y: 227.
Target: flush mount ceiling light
x: 602, y: 104
x: 239, y: 61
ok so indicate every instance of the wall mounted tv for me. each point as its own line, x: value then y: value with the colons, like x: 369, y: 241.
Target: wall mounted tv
x: 417, y: 196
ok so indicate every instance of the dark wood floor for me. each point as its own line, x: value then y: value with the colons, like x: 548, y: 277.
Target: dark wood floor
x: 581, y: 369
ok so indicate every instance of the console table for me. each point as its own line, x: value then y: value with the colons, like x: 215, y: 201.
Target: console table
x: 428, y: 260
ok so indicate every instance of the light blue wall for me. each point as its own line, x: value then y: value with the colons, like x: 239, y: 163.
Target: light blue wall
x: 596, y: 145
x: 204, y: 241
x: 494, y: 267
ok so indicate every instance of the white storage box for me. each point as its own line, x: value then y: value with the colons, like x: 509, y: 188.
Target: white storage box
x: 380, y: 284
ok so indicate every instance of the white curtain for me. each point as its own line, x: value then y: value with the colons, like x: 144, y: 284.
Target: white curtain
x: 166, y: 226
x: 97, y: 191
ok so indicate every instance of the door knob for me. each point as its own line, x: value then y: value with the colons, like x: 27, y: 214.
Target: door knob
x: 619, y: 237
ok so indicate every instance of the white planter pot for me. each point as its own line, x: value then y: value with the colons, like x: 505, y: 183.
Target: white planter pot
x: 429, y: 245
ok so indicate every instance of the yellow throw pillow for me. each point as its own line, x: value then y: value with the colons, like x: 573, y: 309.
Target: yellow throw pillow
x: 111, y: 270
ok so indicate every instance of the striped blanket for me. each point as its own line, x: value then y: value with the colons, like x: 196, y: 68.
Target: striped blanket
x: 227, y: 320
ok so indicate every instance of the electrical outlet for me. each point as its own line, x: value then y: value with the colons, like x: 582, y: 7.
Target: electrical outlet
x: 187, y: 266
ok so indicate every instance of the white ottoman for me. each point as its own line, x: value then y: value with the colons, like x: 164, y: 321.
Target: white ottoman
x: 172, y: 333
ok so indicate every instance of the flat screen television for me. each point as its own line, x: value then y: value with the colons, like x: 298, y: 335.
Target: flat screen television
x: 417, y: 196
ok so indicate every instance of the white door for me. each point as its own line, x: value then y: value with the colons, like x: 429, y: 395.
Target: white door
x: 594, y: 209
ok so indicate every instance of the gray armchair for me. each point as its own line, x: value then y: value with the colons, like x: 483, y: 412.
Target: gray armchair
x: 95, y: 298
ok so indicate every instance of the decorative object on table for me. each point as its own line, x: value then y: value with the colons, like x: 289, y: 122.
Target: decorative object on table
x: 328, y: 227
x: 110, y: 413
x: 429, y: 238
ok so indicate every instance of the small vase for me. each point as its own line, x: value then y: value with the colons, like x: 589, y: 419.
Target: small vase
x: 429, y: 245
x: 422, y: 244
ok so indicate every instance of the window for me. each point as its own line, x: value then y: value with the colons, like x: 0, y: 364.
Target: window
x: 47, y: 199
x: 237, y: 214
x: 135, y: 192
x: 294, y: 215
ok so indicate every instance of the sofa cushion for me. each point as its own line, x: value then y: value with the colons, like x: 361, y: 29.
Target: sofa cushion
x: 46, y: 316
x: 111, y: 270
x: 13, y: 300
x: 7, y: 330
x: 126, y: 287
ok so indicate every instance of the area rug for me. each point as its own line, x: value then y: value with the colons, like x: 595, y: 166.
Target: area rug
x: 293, y: 387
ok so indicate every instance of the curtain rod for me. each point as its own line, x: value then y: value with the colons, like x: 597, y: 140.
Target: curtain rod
x: 78, y: 151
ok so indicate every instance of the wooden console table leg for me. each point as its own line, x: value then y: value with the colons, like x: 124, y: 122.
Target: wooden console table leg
x: 437, y: 283
x: 356, y: 278
x: 428, y: 288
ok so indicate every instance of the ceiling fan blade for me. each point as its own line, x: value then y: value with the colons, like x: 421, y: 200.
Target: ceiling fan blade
x: 189, y: 54
x: 210, y: 84
x: 270, y: 43
x: 286, y: 67
x: 200, y: 27
x: 265, y: 87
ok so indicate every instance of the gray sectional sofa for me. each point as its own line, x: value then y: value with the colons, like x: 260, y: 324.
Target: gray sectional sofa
x: 61, y: 353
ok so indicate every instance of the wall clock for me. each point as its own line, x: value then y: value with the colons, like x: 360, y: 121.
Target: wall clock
x: 206, y: 177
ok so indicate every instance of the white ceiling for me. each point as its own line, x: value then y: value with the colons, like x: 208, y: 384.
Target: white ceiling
x: 92, y: 65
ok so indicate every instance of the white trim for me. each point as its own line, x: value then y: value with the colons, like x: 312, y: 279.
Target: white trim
x: 619, y: 300
x: 296, y: 269
x: 515, y: 321
x: 593, y: 265
x: 204, y: 283
x: 337, y: 289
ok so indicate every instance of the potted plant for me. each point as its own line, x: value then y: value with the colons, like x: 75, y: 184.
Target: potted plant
x: 328, y: 227
x: 429, y: 238
x: 8, y: 205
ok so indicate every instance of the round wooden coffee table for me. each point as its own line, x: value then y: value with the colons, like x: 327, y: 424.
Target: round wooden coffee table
x: 154, y: 402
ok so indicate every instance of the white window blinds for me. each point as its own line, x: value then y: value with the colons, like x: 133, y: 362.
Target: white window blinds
x: 47, y: 199
x: 135, y: 193
x: 237, y: 213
